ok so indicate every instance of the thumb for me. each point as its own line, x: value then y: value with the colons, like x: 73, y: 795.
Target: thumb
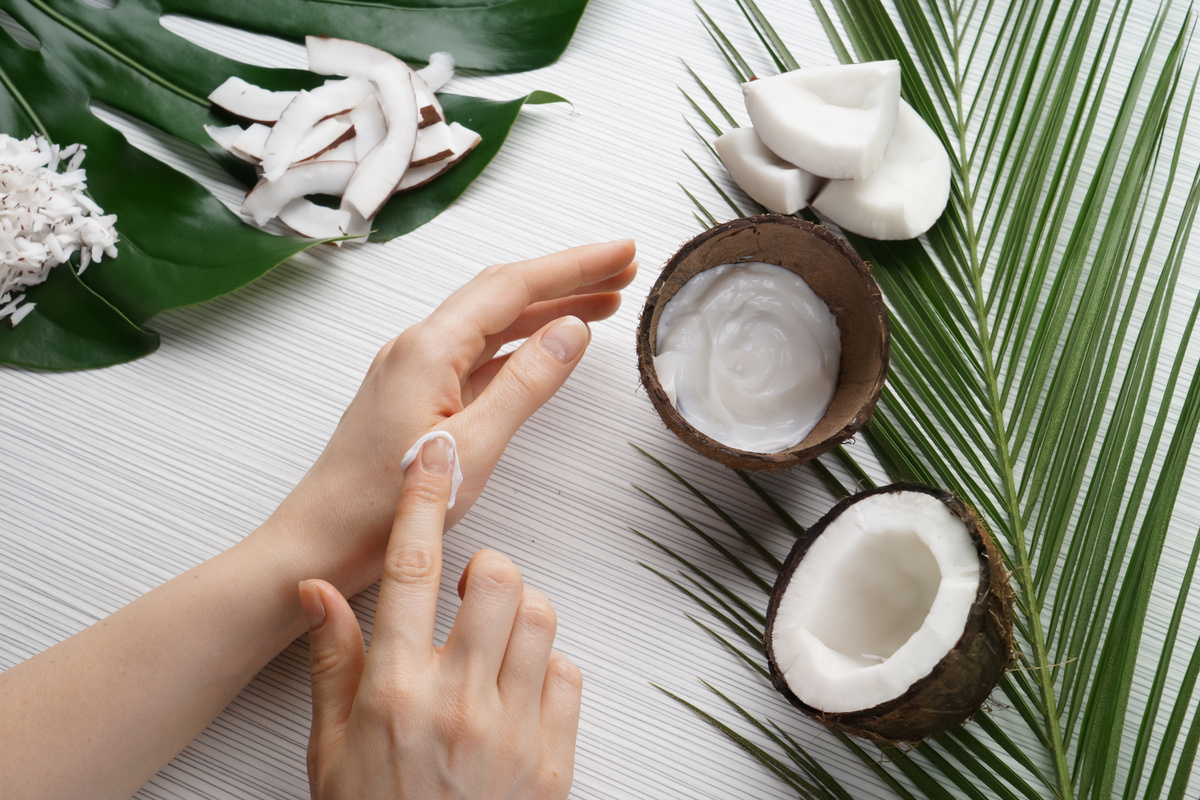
x: 336, y: 656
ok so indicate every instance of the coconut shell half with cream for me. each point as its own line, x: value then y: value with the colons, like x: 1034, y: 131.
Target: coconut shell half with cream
x: 892, y: 616
x: 836, y: 274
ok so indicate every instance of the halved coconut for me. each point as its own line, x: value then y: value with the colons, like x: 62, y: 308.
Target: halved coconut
x: 250, y: 102
x: 836, y: 274
x: 892, y: 616
x: 380, y: 172
x: 904, y: 196
x: 439, y: 71
x: 779, y: 186
x: 462, y: 141
x: 831, y: 121
x: 302, y: 115
x: 268, y: 198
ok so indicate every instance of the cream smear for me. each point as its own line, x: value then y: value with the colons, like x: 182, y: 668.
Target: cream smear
x: 749, y: 355
x: 456, y: 476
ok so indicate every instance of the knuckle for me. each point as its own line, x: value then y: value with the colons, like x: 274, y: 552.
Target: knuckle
x: 464, y: 725
x: 421, y: 493
x: 525, y: 376
x: 325, y: 661
x: 563, y: 670
x: 494, y: 573
x: 411, y: 564
x: 536, y: 611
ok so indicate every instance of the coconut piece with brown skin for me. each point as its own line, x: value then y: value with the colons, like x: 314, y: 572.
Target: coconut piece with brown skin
x: 892, y: 616
x: 836, y: 274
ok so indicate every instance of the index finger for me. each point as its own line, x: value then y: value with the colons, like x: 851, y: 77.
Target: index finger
x: 494, y: 299
x: 412, y: 566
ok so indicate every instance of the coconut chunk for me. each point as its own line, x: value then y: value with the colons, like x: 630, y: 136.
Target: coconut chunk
x: 892, y: 616
x: 831, y: 121
x: 326, y: 134
x: 435, y: 143
x: 268, y: 198
x: 316, y: 222
x: 252, y: 142
x: 302, y: 115
x: 463, y: 141
x: 250, y: 102
x: 439, y: 71
x: 227, y: 137
x: 380, y: 172
x: 905, y: 196
x: 779, y: 186
x: 429, y: 109
x: 345, y: 151
x: 369, y: 126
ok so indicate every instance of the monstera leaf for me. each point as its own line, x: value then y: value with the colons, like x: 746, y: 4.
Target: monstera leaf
x: 179, y: 245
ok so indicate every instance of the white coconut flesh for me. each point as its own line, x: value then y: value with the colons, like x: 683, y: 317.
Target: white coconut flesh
x: 245, y: 100
x: 881, y: 596
x: 355, y: 137
x: 905, y: 195
x: 831, y: 121
x: 462, y: 141
x: 302, y: 115
x: 769, y: 180
x: 439, y: 71
x: 434, y: 143
x: 268, y: 198
x: 380, y: 172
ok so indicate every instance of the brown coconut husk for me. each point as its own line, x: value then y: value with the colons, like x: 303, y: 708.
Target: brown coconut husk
x: 962, y: 680
x: 836, y: 274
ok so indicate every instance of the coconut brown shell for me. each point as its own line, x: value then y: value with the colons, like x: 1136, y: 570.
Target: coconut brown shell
x: 960, y: 683
x: 836, y: 274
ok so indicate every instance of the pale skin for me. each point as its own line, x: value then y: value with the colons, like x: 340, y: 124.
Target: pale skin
x: 491, y: 714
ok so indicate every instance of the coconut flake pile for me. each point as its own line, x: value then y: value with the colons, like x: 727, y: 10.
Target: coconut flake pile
x: 44, y: 218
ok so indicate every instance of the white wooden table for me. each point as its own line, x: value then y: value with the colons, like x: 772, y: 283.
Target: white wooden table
x: 113, y: 481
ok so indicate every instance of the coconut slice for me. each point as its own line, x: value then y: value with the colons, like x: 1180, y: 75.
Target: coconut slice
x: 330, y: 56
x: 439, y: 71
x: 429, y: 109
x: 831, y: 121
x: 346, y: 151
x: 250, y: 102
x: 252, y: 141
x: 268, y: 198
x: 768, y: 179
x: 369, y: 126
x: 227, y: 137
x: 316, y: 222
x: 462, y: 141
x: 327, y: 133
x: 905, y: 196
x: 435, y: 143
x: 302, y: 115
x: 892, y: 616
x: 380, y: 172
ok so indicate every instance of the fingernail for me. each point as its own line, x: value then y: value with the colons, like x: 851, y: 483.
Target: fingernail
x: 566, y: 339
x: 436, y: 455
x: 314, y: 607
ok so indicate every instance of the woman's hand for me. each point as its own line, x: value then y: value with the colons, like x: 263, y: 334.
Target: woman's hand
x: 493, y: 714
x: 443, y: 374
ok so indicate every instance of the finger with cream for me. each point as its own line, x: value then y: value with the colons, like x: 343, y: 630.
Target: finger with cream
x: 749, y: 355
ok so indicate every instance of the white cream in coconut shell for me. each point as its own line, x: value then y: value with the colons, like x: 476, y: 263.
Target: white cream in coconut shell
x: 878, y: 600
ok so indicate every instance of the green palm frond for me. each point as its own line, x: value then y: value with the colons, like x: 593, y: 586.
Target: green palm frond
x: 1029, y: 376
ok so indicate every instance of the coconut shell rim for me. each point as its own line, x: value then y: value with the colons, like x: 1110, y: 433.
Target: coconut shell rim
x: 994, y: 590
x: 717, y: 450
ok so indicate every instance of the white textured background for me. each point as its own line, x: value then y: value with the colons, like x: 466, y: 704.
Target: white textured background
x: 113, y: 481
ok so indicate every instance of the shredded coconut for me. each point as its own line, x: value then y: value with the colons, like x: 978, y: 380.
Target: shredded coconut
x: 44, y: 218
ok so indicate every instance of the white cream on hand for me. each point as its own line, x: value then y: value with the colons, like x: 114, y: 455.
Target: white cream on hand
x: 456, y: 478
x: 749, y: 355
